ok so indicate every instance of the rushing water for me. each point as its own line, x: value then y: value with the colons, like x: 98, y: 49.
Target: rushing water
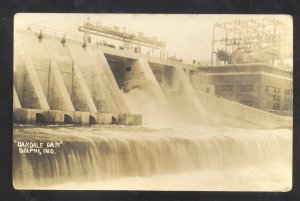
x: 155, y: 158
x: 167, y: 153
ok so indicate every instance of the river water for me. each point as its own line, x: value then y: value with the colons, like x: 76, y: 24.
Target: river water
x: 155, y: 158
x: 168, y: 152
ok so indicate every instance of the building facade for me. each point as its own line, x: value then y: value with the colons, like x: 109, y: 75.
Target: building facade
x: 257, y: 85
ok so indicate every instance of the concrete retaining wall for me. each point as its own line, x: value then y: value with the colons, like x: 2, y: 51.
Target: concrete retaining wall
x: 242, y: 115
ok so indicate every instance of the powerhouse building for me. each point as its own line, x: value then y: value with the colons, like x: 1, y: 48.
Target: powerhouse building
x: 256, y: 85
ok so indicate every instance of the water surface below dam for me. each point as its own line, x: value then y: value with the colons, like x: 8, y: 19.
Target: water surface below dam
x: 152, y: 158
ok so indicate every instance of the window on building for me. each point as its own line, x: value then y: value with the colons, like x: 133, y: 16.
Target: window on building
x: 226, y: 88
x: 276, y: 106
x: 273, y: 90
x: 288, y: 99
x: 207, y: 90
x: 246, y: 88
x: 247, y: 102
x: 288, y: 91
x: 277, y: 90
x: 276, y: 98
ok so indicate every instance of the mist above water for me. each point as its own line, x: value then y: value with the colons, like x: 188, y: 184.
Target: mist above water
x: 153, y: 112
x: 178, y: 114
x: 164, y: 153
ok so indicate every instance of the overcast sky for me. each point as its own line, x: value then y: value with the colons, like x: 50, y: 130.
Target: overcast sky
x: 189, y: 36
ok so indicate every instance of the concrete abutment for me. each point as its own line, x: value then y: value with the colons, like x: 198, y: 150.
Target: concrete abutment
x: 33, y: 116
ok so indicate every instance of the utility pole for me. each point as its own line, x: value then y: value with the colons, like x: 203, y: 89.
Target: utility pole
x: 213, y: 44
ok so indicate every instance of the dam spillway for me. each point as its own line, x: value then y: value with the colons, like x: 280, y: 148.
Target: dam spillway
x: 60, y: 78
x: 110, y: 157
x: 55, y: 80
x: 91, y: 115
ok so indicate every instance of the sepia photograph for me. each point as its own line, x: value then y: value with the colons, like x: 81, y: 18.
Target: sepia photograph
x: 153, y: 102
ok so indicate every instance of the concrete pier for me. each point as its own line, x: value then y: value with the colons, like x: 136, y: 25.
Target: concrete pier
x: 141, y: 76
x: 38, y: 116
x: 65, y: 83
x: 35, y: 83
x: 60, y: 81
x: 16, y: 101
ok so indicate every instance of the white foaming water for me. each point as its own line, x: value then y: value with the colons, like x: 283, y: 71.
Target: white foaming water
x: 153, y: 112
x: 163, y: 154
x: 272, y: 178
x: 144, y: 158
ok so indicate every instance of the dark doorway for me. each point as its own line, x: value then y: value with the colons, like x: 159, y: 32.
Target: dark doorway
x: 40, y: 118
x: 118, y: 70
x: 114, y: 120
x: 92, y: 120
x: 68, y: 119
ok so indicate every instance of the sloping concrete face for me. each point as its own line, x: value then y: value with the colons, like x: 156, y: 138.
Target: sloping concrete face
x: 188, y: 92
x: 68, y: 105
x: 84, y: 65
x: 23, y: 84
x: 46, y: 80
x: 59, y: 82
x: 141, y: 76
x: 52, y: 70
x: 98, y: 76
x: 115, y: 95
x: 37, y: 64
x: 180, y: 93
x: 71, y: 77
x: 239, y: 115
x: 16, y: 103
x: 79, y: 82
x: 34, y: 80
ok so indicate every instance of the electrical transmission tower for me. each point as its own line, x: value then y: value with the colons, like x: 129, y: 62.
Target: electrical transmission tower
x: 261, y: 40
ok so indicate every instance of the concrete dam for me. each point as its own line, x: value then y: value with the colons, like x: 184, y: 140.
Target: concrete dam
x: 110, y: 109
x: 60, y: 80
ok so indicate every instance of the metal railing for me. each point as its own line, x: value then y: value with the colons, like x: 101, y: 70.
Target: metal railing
x: 54, y: 32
